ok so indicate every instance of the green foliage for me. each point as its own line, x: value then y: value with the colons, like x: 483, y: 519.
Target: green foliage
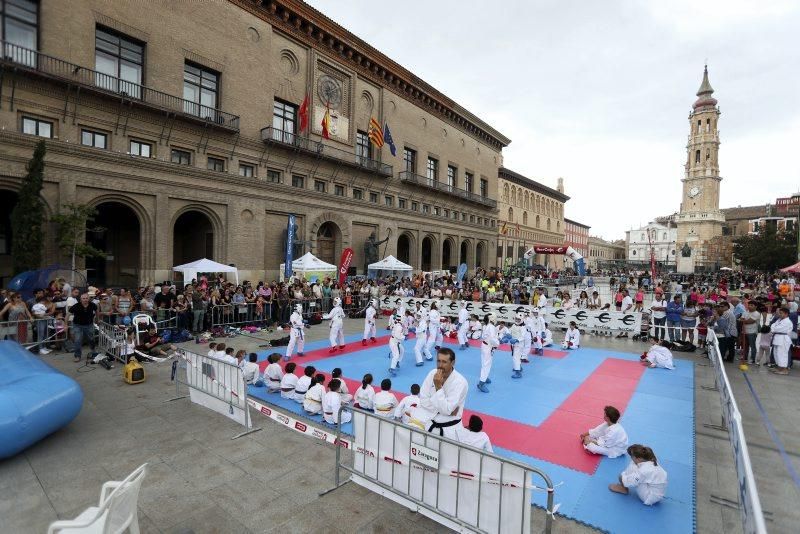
x: 27, y: 217
x: 73, y: 222
x: 767, y: 251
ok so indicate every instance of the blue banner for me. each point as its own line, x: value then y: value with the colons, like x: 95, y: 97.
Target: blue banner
x: 290, y: 229
x: 462, y: 271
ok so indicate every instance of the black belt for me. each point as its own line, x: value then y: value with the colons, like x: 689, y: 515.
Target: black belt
x: 442, y: 426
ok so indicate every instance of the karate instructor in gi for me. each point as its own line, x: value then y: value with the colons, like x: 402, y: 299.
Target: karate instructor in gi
x: 444, y: 393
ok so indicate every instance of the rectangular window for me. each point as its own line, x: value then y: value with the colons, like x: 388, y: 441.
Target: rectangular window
x: 426, y: 208
x: 484, y: 187
x: 284, y: 121
x: 273, y: 176
x: 499, y: 251
x: 414, y: 206
x: 247, y: 170
x: 37, y: 127
x: 119, y: 62
x: 509, y: 251
x: 389, y: 201
x: 452, y: 177
x: 19, y: 29
x: 472, y: 219
x: 410, y: 159
x: 446, y: 214
x: 298, y: 181
x: 94, y: 139
x: 402, y: 203
x: 140, y: 148
x: 319, y: 186
x: 363, y: 148
x: 181, y: 157
x: 480, y: 220
x: 464, y: 217
x: 373, y: 197
x: 358, y: 194
x: 338, y: 190
x: 432, y: 170
x: 215, y: 164
x: 200, y: 87
x: 436, y: 210
x: 468, y: 179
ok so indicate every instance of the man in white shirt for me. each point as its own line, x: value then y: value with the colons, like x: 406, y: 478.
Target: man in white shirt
x: 385, y: 402
x: 408, y: 403
x: 473, y: 434
x: 332, y: 402
x: 443, y: 394
x: 608, y: 438
x: 659, y: 314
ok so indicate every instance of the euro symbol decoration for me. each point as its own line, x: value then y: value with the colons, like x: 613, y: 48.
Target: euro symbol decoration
x: 559, y: 314
x: 628, y: 320
x: 604, y: 317
x: 581, y: 315
x: 484, y: 308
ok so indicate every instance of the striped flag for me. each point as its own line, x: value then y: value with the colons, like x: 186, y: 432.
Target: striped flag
x: 326, y: 124
x: 375, y: 133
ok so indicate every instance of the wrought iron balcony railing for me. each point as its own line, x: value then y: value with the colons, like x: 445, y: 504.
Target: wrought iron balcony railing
x: 51, y: 67
x: 320, y: 149
x: 424, y: 181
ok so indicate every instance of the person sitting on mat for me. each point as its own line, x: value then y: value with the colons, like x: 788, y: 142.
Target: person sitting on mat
x: 312, y: 402
x: 332, y: 402
x: 572, y: 337
x: 547, y: 337
x: 273, y: 374
x: 644, y: 474
x: 303, y: 383
x: 608, y: 438
x: 659, y: 355
x: 250, y: 370
x: 365, y: 394
x: 343, y: 392
x: 408, y: 403
x: 475, y: 327
x: 473, y: 434
x: 212, y: 350
x: 153, y: 345
x: 289, y: 381
x: 385, y: 401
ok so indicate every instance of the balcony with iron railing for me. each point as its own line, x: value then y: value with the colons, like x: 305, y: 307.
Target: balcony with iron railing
x: 319, y: 149
x: 411, y: 178
x: 26, y: 60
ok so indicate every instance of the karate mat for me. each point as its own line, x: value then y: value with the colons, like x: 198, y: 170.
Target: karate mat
x: 537, y: 420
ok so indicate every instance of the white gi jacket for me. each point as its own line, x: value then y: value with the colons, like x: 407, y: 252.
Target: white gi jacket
x: 447, y: 403
x: 251, y: 372
x: 781, y: 341
x: 365, y: 397
x: 296, y: 320
x: 331, y: 402
x: 479, y: 440
x: 659, y: 356
x: 313, y: 399
x: 434, y: 321
x: 489, y: 335
x: 336, y: 316
x: 403, y: 410
x: 300, y: 390
x: 273, y: 376
x: 611, y: 437
x: 463, y: 316
x: 369, y: 315
x: 397, y: 334
x: 574, y: 337
x: 288, y: 383
x: 650, y: 481
x: 385, y: 403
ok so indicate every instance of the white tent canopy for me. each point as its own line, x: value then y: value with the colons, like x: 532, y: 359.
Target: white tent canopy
x: 204, y: 265
x: 309, y: 265
x: 388, y: 266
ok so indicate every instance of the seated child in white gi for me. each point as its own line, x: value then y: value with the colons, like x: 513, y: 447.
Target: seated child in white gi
x: 385, y: 402
x: 659, y: 355
x: 473, y: 434
x: 547, y: 338
x: 212, y: 350
x: 331, y: 403
x: 304, y: 383
x: 475, y: 327
x: 644, y: 474
x: 408, y: 403
x: 365, y: 395
x: 608, y: 438
x: 251, y: 372
x: 273, y: 374
x: 312, y: 403
x: 344, y: 394
x: 572, y: 337
x: 289, y: 381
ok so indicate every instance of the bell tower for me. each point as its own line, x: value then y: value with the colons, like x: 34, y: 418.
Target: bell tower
x: 700, y: 219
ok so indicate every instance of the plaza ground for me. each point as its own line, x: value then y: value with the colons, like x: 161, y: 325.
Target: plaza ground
x: 269, y: 481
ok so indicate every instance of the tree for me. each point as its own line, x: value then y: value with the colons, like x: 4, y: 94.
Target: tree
x: 766, y: 251
x: 27, y: 217
x: 73, y: 223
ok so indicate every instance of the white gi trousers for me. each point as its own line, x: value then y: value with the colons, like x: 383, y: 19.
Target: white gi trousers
x: 369, y: 329
x: 462, y: 334
x: 487, y: 353
x: 397, y: 349
x: 517, y: 350
x: 296, y: 338
x: 336, y: 335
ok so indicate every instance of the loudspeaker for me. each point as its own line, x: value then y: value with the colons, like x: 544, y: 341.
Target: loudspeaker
x: 133, y: 372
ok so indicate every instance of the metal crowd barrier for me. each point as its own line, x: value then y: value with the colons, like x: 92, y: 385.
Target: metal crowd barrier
x: 112, y: 341
x: 218, y: 385
x: 464, y: 488
x: 240, y: 314
x: 749, y: 504
x: 36, y: 332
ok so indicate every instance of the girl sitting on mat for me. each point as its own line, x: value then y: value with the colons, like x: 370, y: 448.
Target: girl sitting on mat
x: 365, y: 395
x: 608, y: 438
x: 644, y: 474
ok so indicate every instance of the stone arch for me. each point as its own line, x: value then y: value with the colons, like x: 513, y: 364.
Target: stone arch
x: 538, y: 221
x: 466, y: 253
x: 513, y: 201
x: 527, y: 201
x: 329, y: 242
x: 510, y: 215
x: 147, y: 244
x: 338, y: 220
x: 122, y: 239
x: 429, y: 252
x: 190, y: 216
x: 505, y: 192
x: 449, y: 253
x: 481, y: 249
x: 525, y: 218
x: 407, y: 248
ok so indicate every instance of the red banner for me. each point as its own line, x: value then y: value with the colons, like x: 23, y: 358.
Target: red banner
x: 344, y: 264
x: 549, y: 250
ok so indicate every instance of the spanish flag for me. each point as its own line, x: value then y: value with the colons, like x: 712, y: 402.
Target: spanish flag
x: 326, y: 124
x: 375, y: 133
x: 503, y: 230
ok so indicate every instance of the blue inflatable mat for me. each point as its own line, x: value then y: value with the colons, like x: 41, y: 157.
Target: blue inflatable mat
x: 35, y: 399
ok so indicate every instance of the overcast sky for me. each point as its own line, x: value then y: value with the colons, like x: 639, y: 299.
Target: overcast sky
x: 599, y: 92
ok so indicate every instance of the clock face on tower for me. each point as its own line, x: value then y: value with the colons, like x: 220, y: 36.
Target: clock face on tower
x: 694, y: 191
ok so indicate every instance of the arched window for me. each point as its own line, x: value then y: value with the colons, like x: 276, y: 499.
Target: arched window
x: 558, y: 225
x: 697, y: 156
x: 642, y: 237
x: 538, y: 222
x: 527, y: 201
x: 513, y: 196
x: 665, y: 236
x: 510, y: 215
x: 505, y: 192
x: 548, y: 224
x: 525, y: 218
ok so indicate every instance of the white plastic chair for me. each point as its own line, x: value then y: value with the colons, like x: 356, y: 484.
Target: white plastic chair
x: 115, y: 513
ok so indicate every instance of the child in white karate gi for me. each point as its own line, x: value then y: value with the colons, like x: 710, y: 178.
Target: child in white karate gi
x: 332, y: 402
x: 408, y: 403
x: 273, y: 374
x: 608, y: 438
x: 385, y: 402
x: 312, y: 403
x: 365, y: 395
x: 289, y: 381
x: 659, y: 355
x: 344, y: 394
x: 473, y: 434
x: 304, y: 383
x: 644, y: 474
x: 572, y: 337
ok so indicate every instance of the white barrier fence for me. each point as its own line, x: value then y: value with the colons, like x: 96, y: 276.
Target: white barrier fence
x: 749, y: 501
x: 217, y: 385
x: 461, y: 487
x: 599, y: 320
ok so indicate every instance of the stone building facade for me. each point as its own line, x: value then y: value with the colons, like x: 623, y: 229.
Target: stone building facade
x: 660, y: 237
x: 605, y: 254
x: 181, y: 125
x: 530, y: 213
x: 577, y: 236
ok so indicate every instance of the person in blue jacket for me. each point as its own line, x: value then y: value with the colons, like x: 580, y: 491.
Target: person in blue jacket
x: 674, y: 312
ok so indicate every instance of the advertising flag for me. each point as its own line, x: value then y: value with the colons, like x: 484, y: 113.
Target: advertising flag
x: 344, y: 264
x: 290, y: 229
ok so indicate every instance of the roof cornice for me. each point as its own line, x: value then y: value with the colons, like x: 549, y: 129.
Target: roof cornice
x: 310, y: 26
x: 524, y: 181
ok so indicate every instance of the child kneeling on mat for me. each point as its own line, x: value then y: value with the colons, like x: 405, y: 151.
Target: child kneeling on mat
x: 572, y: 337
x: 644, y: 474
x: 608, y: 438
